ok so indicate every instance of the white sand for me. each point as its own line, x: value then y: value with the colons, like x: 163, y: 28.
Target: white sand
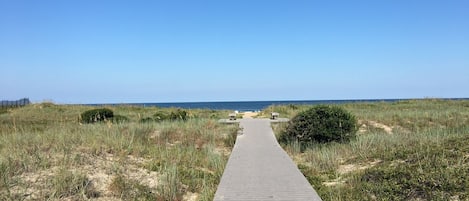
x: 249, y: 115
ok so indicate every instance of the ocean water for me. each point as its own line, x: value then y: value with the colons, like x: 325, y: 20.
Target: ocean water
x: 244, y: 106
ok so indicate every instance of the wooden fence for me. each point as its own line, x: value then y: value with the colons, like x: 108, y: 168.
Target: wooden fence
x: 17, y: 103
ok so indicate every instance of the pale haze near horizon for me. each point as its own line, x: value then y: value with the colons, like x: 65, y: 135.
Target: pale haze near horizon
x: 189, y: 51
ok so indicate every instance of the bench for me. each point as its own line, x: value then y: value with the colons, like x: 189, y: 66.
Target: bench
x: 274, y: 115
x: 232, y: 116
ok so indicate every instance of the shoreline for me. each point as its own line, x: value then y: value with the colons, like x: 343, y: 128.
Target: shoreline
x: 256, y: 106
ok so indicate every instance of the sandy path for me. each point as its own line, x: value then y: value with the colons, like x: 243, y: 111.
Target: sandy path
x: 249, y: 115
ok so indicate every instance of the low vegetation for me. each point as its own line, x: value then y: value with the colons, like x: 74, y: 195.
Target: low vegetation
x: 320, y: 124
x: 96, y: 115
x: 406, y: 150
x: 47, y: 153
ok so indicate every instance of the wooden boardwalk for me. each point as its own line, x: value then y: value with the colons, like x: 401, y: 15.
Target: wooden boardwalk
x: 259, y: 169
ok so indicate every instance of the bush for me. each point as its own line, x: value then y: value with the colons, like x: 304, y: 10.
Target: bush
x: 160, y: 116
x: 147, y: 120
x: 321, y: 124
x: 119, y: 119
x: 178, y: 115
x: 96, y: 115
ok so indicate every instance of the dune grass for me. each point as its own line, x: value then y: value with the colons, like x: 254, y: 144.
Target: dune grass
x: 45, y: 153
x: 407, y: 150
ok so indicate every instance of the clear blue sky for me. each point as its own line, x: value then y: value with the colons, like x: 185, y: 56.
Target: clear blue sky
x: 96, y: 51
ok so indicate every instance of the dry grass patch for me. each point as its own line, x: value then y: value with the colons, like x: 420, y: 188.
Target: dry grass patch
x: 407, y: 150
x: 45, y: 153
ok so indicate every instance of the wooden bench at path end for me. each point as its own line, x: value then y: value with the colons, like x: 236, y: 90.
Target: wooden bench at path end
x: 274, y: 115
x: 232, y: 116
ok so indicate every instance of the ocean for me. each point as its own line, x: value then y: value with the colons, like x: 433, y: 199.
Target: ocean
x: 243, y: 106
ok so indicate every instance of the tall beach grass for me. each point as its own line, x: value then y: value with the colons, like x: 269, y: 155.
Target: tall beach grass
x: 46, y: 153
x: 407, y: 150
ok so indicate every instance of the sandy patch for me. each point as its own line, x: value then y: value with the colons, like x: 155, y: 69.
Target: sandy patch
x: 190, y: 196
x: 33, y: 180
x: 386, y: 128
x: 334, y: 182
x: 366, y: 124
x: 222, y: 151
x: 250, y: 115
x: 396, y: 163
x: 100, y: 171
x: 344, y: 169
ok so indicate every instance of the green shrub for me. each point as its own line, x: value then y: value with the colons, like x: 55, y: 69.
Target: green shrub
x: 96, y: 115
x: 47, y: 104
x: 178, y: 115
x: 321, y: 124
x: 160, y: 116
x: 119, y: 119
x: 147, y: 120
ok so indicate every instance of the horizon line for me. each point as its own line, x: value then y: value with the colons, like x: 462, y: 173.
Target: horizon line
x: 245, y: 101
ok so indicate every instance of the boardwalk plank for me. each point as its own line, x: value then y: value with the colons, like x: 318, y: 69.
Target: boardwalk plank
x: 259, y: 169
